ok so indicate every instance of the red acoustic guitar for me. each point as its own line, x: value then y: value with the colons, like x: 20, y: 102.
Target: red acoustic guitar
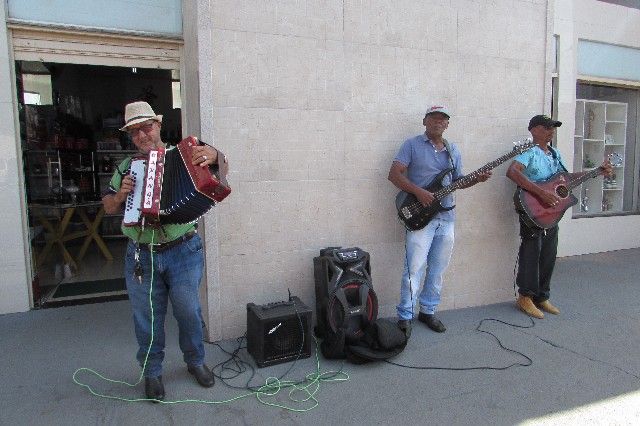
x: 538, y: 214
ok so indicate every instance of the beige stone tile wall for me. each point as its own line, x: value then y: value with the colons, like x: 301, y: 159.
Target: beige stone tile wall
x: 311, y: 100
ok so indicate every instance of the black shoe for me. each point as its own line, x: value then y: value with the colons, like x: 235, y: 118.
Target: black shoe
x: 405, y: 326
x: 432, y: 322
x: 153, y: 388
x: 204, y: 376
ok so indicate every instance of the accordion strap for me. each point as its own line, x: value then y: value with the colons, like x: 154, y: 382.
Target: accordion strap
x: 220, y: 165
x: 221, y: 160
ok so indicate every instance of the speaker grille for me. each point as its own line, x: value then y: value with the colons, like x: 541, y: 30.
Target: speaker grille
x: 284, y: 338
x: 278, y: 332
x: 351, y: 306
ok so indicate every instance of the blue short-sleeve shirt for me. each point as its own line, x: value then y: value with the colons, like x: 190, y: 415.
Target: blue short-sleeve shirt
x: 424, y: 162
x: 538, y: 165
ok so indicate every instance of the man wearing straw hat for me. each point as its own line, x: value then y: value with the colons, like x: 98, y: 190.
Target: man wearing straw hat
x: 161, y: 264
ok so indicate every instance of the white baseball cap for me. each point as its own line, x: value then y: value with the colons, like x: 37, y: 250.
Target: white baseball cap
x: 438, y: 108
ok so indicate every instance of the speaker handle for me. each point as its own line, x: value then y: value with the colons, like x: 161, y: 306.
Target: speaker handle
x: 355, y: 253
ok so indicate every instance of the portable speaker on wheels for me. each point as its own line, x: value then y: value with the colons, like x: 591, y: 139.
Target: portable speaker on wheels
x: 278, y: 332
x: 344, y: 293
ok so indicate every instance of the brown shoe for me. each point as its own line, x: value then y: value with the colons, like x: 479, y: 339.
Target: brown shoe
x: 548, y: 307
x: 525, y: 304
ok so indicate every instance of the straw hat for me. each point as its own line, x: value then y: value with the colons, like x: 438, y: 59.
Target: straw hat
x: 137, y: 112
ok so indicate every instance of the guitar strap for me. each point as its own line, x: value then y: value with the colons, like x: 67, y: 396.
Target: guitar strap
x: 446, y: 145
x: 555, y: 156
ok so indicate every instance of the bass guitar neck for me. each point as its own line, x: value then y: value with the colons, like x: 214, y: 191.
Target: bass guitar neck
x: 414, y: 215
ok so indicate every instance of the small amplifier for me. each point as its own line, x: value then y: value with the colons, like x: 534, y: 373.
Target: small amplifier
x: 278, y: 332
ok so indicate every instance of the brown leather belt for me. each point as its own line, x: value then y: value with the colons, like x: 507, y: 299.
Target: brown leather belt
x: 162, y: 247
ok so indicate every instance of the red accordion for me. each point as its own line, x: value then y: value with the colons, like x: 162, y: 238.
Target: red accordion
x: 169, y: 189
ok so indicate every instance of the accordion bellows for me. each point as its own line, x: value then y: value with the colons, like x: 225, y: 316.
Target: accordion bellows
x: 169, y: 189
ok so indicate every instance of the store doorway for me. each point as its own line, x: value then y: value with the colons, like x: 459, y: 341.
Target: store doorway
x: 69, y: 119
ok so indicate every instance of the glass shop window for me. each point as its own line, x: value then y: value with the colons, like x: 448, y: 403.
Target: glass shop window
x: 606, y: 124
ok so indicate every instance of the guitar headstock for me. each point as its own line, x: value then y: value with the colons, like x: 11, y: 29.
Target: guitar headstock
x: 615, y: 159
x: 523, y: 145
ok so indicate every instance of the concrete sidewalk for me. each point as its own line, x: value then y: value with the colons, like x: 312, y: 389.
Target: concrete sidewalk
x: 585, y: 367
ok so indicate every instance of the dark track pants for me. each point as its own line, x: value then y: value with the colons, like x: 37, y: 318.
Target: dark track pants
x: 536, y: 260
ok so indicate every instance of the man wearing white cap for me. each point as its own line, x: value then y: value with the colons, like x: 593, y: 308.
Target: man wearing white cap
x: 172, y: 252
x: 418, y: 162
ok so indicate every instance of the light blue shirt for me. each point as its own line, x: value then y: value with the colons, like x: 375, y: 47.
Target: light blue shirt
x: 538, y: 165
x: 424, y: 162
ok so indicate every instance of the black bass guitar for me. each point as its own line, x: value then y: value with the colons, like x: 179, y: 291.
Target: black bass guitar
x: 414, y: 215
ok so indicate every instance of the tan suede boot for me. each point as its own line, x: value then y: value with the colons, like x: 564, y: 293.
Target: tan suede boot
x: 525, y: 304
x: 548, y: 307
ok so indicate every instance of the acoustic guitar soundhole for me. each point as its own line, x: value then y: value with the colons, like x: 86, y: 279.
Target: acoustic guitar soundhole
x: 562, y: 191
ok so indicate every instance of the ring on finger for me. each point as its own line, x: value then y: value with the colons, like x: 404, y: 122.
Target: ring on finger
x: 204, y: 158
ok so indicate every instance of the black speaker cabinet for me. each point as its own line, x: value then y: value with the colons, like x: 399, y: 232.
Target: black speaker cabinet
x: 344, y: 293
x: 278, y: 332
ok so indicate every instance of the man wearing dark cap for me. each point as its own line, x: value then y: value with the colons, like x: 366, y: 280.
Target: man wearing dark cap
x: 538, y: 246
x: 418, y: 162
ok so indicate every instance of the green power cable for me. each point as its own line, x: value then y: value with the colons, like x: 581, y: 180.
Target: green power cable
x: 271, y: 388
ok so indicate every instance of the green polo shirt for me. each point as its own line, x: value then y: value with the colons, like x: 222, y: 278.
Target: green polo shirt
x: 147, y: 234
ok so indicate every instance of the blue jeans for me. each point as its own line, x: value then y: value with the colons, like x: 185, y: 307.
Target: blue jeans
x: 430, y: 248
x: 176, y: 276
